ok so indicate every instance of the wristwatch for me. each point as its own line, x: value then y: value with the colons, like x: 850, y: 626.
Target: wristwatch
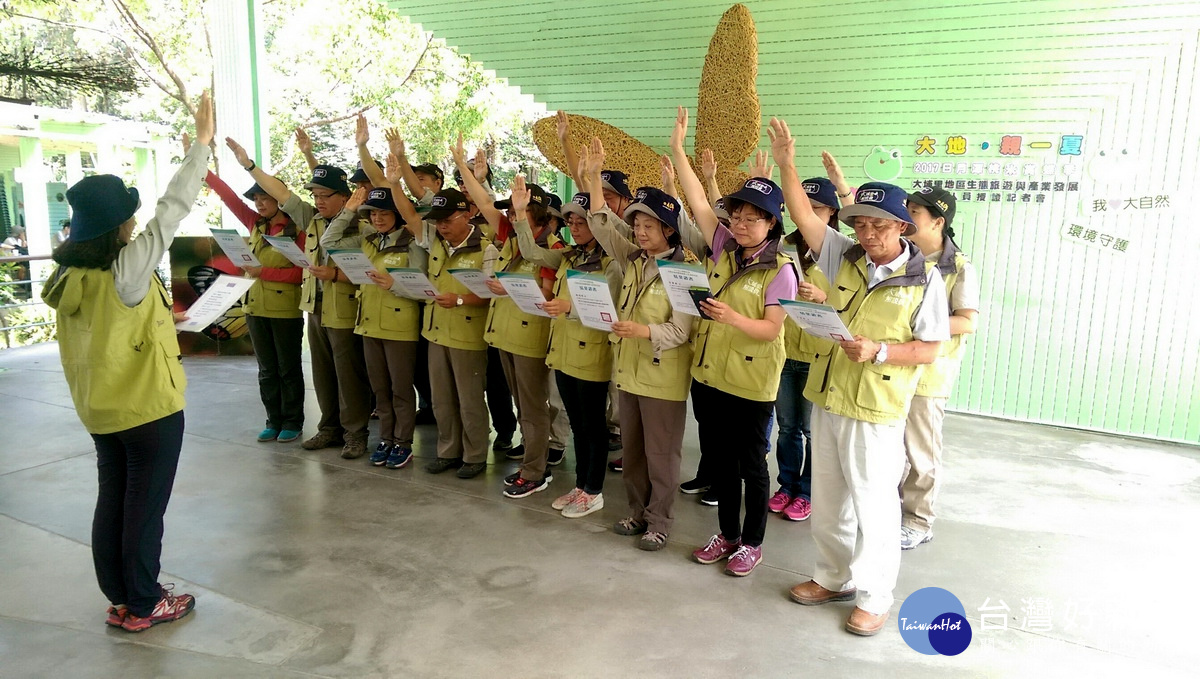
x: 881, y: 356
x: 458, y: 300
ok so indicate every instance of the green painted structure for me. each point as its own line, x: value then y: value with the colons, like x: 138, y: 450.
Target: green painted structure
x: 1068, y: 130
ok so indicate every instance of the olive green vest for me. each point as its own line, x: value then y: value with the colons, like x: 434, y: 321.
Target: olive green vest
x: 800, y: 345
x: 121, y: 363
x: 381, y: 314
x: 575, y: 349
x: 339, y: 300
x: 638, y: 369
x: 271, y: 299
x: 865, y: 391
x: 726, y: 358
x: 937, y: 379
x: 508, y: 328
x: 460, y: 327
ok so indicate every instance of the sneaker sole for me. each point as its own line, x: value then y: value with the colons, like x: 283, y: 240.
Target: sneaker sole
x: 696, y: 491
x: 709, y: 563
x: 585, y: 513
x: 402, y: 465
x: 803, y: 518
x: 738, y: 574
x: 160, y: 622
x: 527, y: 493
x: 708, y: 503
x: 287, y: 440
x: 555, y: 464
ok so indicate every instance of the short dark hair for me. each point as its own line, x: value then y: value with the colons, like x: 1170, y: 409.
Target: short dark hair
x: 95, y: 253
x: 539, y: 216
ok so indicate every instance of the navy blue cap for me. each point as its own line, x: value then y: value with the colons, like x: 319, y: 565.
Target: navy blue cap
x: 762, y: 193
x: 617, y: 182
x: 329, y: 177
x: 254, y: 190
x: 579, y: 205
x: 379, y: 198
x: 445, y: 203
x: 99, y: 204
x: 656, y: 203
x: 360, y: 177
x: 822, y: 192
x: 879, y: 200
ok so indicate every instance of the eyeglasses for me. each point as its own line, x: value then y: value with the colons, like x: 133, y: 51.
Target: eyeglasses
x: 738, y: 219
x: 322, y: 196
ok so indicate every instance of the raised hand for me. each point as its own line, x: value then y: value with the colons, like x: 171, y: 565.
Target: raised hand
x: 457, y: 152
x: 303, y: 141
x: 834, y: 171
x: 362, y: 134
x: 480, y: 169
x: 239, y: 153
x: 520, y: 195
x: 187, y: 143
x: 708, y: 165
x: 392, y: 171
x: 783, y: 146
x: 594, y: 157
x: 668, y: 174
x: 679, y: 133
x: 205, y: 122
x: 357, y: 199
x: 761, y: 167
x: 395, y: 141
x: 564, y: 125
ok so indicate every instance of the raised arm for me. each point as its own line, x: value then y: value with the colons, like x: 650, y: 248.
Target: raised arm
x: 396, y: 146
x: 483, y: 199
x: 783, y: 147
x: 761, y: 165
x: 530, y: 250
x: 693, y: 190
x: 304, y: 143
x: 609, y: 229
x: 708, y: 166
x: 335, y: 236
x: 408, y: 211
x: 244, y: 213
x: 564, y: 137
x: 692, y: 237
x: 361, y: 136
x: 834, y: 172
x: 274, y: 188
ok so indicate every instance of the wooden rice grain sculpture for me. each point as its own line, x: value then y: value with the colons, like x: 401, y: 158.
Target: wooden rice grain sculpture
x: 728, y: 117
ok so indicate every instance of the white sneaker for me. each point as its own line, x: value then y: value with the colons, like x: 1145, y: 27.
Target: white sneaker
x: 562, y: 502
x: 583, y: 505
x: 911, y: 537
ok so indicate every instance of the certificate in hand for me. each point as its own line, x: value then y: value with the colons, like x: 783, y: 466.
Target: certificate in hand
x: 591, y: 300
x: 524, y: 290
x: 414, y: 283
x: 354, y: 263
x: 679, y: 279
x: 290, y: 250
x: 215, y: 301
x: 234, y: 246
x: 818, y: 320
x: 475, y: 280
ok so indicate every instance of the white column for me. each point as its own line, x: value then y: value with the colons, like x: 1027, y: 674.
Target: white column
x: 237, y: 53
x: 74, y: 167
x: 33, y: 176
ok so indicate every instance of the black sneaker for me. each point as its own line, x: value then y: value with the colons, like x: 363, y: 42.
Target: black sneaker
x: 616, y: 465
x: 555, y: 457
x: 502, y: 443
x: 512, y: 478
x: 614, y: 442
x: 471, y: 470
x: 442, y: 464
x: 516, y: 452
x: 525, y: 487
x: 693, y: 487
x: 709, y: 497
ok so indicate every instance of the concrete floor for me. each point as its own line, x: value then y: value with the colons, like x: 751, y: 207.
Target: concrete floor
x: 305, y: 564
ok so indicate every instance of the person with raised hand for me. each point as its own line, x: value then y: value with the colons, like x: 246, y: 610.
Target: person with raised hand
x: 272, y: 307
x: 738, y: 352
x: 423, y: 181
x: 330, y: 299
x: 121, y: 360
x: 651, y: 352
x: 894, y: 303
x: 580, y: 356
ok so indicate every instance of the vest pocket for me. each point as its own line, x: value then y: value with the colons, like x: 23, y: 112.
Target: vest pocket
x: 668, y: 372
x: 467, y: 328
x: 883, y: 387
x: 279, y: 297
x: 747, y: 361
x: 398, y: 318
x: 345, y: 306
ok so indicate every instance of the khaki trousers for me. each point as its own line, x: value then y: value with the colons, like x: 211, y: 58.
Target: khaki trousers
x: 529, y: 380
x: 391, y: 365
x: 923, y: 448
x: 339, y: 378
x: 652, y: 433
x: 456, y: 382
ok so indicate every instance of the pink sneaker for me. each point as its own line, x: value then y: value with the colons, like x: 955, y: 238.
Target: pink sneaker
x: 116, y: 615
x: 717, y: 548
x: 779, y: 501
x: 168, y: 609
x: 743, y: 561
x: 798, y: 510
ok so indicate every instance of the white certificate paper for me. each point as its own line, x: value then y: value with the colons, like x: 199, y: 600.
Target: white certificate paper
x: 354, y: 263
x: 591, y: 299
x: 290, y: 250
x: 475, y: 280
x: 414, y: 283
x: 677, y: 278
x: 234, y: 246
x: 524, y: 290
x: 818, y: 320
x: 215, y: 301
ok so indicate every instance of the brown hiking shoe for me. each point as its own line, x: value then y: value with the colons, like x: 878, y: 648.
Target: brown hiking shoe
x: 811, y: 594
x: 354, y: 448
x: 323, y: 439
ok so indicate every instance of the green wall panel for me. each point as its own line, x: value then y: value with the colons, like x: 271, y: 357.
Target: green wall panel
x: 1090, y: 317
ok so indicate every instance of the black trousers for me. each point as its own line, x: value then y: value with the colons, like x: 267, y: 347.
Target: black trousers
x: 421, y: 376
x: 733, y: 437
x: 280, y: 377
x: 499, y: 396
x: 137, y: 472
x: 585, y: 403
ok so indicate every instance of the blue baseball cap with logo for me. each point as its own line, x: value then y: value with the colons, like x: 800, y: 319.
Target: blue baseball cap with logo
x: 617, y: 182
x: 879, y: 200
x: 329, y: 177
x: 657, y: 204
x: 579, y: 205
x: 380, y: 198
x: 760, y: 192
x: 822, y: 192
